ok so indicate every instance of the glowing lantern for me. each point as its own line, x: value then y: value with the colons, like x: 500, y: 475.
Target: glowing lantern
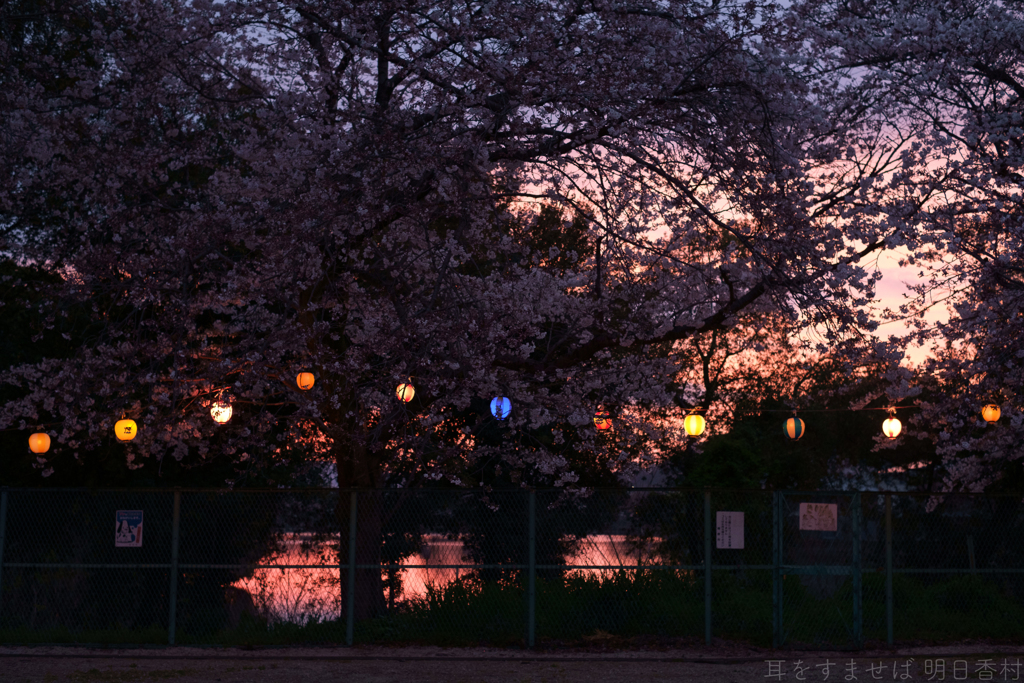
x: 990, y: 412
x: 892, y: 427
x: 694, y: 424
x: 794, y: 428
x: 39, y: 442
x: 125, y: 430
x: 602, y: 421
x: 405, y: 392
x: 220, y: 411
x: 305, y: 380
x: 501, y: 407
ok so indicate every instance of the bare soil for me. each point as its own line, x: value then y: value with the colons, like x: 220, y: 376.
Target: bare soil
x: 720, y: 663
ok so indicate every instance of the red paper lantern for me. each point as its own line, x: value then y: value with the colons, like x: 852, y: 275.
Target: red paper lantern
x: 405, y: 392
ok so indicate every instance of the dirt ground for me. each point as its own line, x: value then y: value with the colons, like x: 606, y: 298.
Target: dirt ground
x: 719, y: 663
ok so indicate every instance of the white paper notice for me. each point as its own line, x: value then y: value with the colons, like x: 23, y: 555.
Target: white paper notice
x: 818, y: 517
x: 729, y: 530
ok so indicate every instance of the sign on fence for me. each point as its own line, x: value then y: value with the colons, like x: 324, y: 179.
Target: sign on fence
x: 128, y: 533
x: 818, y: 517
x: 729, y: 530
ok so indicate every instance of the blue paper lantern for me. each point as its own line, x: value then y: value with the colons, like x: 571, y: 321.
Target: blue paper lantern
x: 501, y: 407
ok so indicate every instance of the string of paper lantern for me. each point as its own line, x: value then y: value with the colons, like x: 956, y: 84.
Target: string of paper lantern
x: 694, y: 424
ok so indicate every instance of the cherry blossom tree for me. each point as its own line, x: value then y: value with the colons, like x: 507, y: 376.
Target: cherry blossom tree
x: 238, y: 192
x: 951, y: 78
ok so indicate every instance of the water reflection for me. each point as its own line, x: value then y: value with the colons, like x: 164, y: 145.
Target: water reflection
x: 293, y: 594
x: 297, y: 595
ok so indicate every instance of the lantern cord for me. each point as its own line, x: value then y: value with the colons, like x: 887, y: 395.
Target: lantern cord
x: 35, y: 425
x: 825, y: 410
x: 690, y: 411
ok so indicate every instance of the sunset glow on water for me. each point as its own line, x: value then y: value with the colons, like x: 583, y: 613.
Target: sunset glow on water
x: 298, y: 595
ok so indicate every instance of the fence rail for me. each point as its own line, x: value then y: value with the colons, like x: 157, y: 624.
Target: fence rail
x: 814, y: 568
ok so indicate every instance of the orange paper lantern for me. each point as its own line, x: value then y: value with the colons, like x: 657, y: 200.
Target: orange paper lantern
x: 602, y: 421
x: 39, y: 442
x: 125, y: 430
x: 305, y: 380
x: 990, y: 413
x: 794, y: 428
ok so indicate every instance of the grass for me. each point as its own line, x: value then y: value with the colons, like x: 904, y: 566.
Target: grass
x: 464, y: 612
x: 586, y: 610
x: 964, y: 606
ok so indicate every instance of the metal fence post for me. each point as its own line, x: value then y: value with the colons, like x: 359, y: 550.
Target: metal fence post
x: 776, y: 562
x: 3, y: 531
x: 350, y: 601
x: 888, y: 569
x: 707, y: 566
x: 172, y: 600
x: 858, y: 619
x: 531, y: 576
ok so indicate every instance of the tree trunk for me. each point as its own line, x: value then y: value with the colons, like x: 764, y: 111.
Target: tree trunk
x: 357, y: 470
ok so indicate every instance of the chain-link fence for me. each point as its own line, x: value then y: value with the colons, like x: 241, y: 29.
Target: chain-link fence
x: 808, y: 569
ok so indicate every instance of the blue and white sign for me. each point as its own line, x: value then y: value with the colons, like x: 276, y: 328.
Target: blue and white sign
x: 128, y: 533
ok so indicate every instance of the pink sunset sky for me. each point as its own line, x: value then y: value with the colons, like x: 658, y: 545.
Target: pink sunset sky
x: 891, y: 291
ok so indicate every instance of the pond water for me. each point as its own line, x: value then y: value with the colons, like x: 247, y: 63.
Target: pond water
x: 298, y: 595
